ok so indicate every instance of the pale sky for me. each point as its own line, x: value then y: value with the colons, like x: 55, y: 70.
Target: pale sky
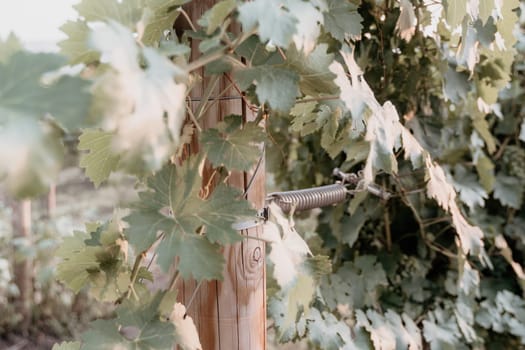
x: 36, y: 22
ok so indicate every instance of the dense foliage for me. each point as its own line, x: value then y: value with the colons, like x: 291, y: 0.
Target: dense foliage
x: 422, y: 98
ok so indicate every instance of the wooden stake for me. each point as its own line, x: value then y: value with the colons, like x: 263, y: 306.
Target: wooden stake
x: 229, y: 314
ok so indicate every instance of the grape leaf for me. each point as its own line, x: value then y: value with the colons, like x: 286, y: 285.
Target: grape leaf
x: 24, y: 96
x: 99, y: 162
x: 192, y: 225
x: 274, y: 21
x: 407, y: 21
x: 136, y: 327
x: 97, y: 259
x: 75, y: 46
x: 342, y: 20
x: 352, y: 225
x: 485, y: 9
x: 456, y: 85
x: 390, y: 331
x: 274, y: 85
x: 304, y: 118
x: 308, y: 26
x: 67, y: 346
x: 78, y: 261
x: 509, y: 191
x: 214, y: 17
x: 186, y: 335
x: 291, y: 305
x: 126, y: 12
x: 237, y: 149
x: 455, y: 11
x: 8, y: 47
x: 470, y: 192
x: 440, y: 330
x: 31, y: 156
x: 467, y: 54
x: 158, y: 16
x: 289, y: 250
x: 485, y: 170
x: 144, y: 108
x: 315, y: 77
x: 328, y: 332
x: 198, y: 258
x: 31, y: 148
x: 355, y: 284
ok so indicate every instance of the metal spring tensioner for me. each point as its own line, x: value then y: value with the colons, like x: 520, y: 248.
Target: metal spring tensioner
x: 323, y: 196
x: 309, y: 198
x: 316, y: 197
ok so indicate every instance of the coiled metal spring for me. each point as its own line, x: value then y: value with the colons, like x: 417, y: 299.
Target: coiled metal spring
x: 309, y: 198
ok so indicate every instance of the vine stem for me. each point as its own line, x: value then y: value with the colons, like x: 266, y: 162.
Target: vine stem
x: 134, y: 274
x: 215, y: 55
x: 388, y: 231
x: 174, y: 280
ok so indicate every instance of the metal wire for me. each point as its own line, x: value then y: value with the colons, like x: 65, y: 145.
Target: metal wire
x: 309, y: 198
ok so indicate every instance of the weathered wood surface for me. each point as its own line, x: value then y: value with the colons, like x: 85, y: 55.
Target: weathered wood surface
x: 23, y: 269
x: 230, y: 314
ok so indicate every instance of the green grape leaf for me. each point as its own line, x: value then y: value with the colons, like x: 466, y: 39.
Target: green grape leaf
x: 135, y: 327
x: 192, y: 225
x: 456, y: 85
x: 145, y: 107
x: 67, y: 346
x: 126, y: 12
x: 315, y: 77
x: 186, y: 335
x: 274, y: 85
x: 467, y: 54
x: 509, y: 191
x: 407, y: 21
x: 237, y: 149
x: 77, y: 261
x: 455, y: 11
x: 8, y: 47
x: 506, y: 26
x: 214, y: 17
x: 159, y: 15
x: 97, y: 259
x: 355, y: 284
x: 31, y: 157
x: 100, y: 161
x: 274, y: 22
x: 485, y: 9
x: 390, y: 331
x: 289, y: 307
x: 342, y: 20
x: 326, y: 331
x: 304, y: 118
x: 440, y: 330
x: 23, y: 95
x: 308, y: 26
x: 351, y: 225
x: 198, y: 258
x: 482, y: 127
x: 75, y: 46
x: 485, y: 170
x: 466, y: 184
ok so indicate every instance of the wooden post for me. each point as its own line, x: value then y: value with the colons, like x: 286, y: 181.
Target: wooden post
x: 23, y: 269
x: 230, y: 314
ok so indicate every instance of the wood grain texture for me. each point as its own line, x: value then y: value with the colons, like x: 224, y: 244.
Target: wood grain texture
x: 229, y: 314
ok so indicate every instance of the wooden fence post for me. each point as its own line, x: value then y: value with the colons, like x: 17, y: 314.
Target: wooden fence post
x: 230, y: 314
x: 23, y: 269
